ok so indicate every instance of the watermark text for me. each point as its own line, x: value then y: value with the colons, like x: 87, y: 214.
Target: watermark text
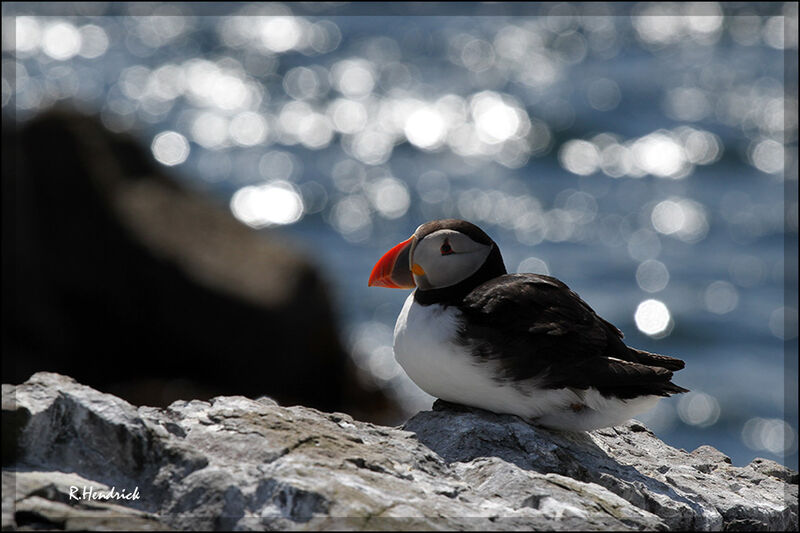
x: 90, y: 493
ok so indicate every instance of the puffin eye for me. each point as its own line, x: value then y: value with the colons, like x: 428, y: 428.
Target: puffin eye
x: 446, y: 249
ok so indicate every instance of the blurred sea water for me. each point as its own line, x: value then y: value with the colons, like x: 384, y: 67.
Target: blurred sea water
x: 643, y: 153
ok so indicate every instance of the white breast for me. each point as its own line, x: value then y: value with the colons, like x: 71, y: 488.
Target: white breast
x: 424, y: 347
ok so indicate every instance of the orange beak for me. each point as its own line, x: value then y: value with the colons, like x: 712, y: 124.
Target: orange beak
x: 393, y: 269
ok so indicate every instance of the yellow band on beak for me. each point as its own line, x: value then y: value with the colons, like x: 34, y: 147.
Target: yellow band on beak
x: 416, y: 269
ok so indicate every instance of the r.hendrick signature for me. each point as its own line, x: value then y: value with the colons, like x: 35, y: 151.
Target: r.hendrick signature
x: 89, y: 493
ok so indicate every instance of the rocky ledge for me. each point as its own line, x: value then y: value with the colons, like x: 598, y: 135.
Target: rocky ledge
x: 237, y: 463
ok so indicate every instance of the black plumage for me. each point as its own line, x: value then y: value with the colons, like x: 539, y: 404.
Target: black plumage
x: 522, y: 344
x: 534, y: 326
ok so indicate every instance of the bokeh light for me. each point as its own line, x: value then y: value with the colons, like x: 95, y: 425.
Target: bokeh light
x: 721, y: 297
x: 680, y: 217
x: 425, y: 128
x: 783, y: 323
x: 170, y: 148
x: 772, y: 435
x: 61, y: 41
x: 768, y: 156
x: 271, y: 204
x: 28, y: 34
x: 533, y: 265
x: 698, y: 409
x: 353, y: 78
x: 639, y: 151
x: 653, y: 318
x: 603, y: 94
x: 279, y: 34
x: 248, y: 129
x: 652, y: 275
x: 580, y: 157
x: 94, y: 41
x: 389, y: 197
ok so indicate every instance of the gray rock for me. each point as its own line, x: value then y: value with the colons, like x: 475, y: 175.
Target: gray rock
x: 697, y: 490
x: 237, y: 463
x: 49, y: 499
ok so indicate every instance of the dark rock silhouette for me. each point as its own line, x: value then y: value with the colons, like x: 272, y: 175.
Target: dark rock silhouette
x: 117, y: 275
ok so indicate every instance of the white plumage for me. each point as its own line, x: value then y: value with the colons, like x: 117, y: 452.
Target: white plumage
x: 521, y: 344
x: 424, y: 347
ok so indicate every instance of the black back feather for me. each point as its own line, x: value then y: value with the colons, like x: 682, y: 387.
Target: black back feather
x: 534, y: 326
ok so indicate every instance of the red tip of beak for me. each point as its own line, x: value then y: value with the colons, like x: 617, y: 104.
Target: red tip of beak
x: 381, y: 275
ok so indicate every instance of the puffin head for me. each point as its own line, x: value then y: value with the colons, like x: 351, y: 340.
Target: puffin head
x: 440, y: 254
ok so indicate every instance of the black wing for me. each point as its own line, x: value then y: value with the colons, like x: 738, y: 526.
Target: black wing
x: 534, y: 325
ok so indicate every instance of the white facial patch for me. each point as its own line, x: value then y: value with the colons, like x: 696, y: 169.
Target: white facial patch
x: 463, y: 258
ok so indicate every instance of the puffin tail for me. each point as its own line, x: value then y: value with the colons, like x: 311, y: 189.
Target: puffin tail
x: 670, y: 388
x: 654, y: 359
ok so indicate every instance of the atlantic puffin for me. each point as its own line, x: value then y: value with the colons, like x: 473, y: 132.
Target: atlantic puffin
x: 521, y: 344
